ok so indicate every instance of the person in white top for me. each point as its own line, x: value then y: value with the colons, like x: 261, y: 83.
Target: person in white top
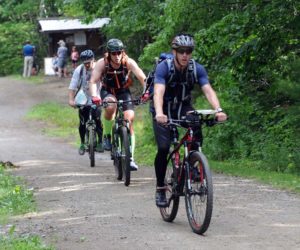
x: 79, y: 81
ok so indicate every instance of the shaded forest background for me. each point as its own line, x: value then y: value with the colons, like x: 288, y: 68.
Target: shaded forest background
x: 250, y: 49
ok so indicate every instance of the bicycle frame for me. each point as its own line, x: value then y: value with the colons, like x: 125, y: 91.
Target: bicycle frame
x: 186, y: 141
x: 121, y: 142
x: 91, y: 121
x: 119, y: 117
x: 191, y: 176
x: 91, y: 131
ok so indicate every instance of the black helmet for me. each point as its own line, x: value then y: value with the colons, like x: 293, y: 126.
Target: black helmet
x: 114, y: 45
x: 87, y: 55
x: 183, y: 40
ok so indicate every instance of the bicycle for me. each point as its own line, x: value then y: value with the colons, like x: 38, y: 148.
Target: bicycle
x: 121, y: 141
x: 190, y: 177
x: 90, y: 135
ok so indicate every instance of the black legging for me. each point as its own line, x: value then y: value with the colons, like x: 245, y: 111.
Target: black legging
x: 163, y: 141
x: 83, y: 118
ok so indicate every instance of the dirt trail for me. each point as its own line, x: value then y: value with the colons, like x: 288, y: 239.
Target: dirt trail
x: 80, y: 207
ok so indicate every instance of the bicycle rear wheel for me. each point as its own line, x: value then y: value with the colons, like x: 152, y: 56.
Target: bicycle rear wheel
x: 115, y: 155
x: 92, y: 137
x: 125, y: 155
x: 199, y: 196
x: 169, y: 213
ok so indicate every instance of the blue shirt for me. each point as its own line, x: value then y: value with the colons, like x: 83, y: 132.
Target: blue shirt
x: 162, y: 73
x: 28, y: 50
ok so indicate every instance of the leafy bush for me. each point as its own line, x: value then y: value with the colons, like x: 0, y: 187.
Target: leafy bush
x: 12, y: 38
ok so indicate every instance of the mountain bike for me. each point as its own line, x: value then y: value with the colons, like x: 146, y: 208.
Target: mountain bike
x: 189, y: 174
x: 90, y: 135
x: 121, y: 141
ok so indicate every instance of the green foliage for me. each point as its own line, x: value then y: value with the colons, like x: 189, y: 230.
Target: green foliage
x: 262, y: 102
x: 18, y: 11
x: 64, y: 118
x: 12, y: 38
x: 134, y: 23
x: 255, y: 170
x: 145, y: 141
x: 14, y: 197
x: 22, y: 243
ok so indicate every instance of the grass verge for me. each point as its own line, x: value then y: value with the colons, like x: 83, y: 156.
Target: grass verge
x: 15, y: 199
x: 65, y: 121
x: 60, y: 120
x: 39, y: 79
x: 250, y: 169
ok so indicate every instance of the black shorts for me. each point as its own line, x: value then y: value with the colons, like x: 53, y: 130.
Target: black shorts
x: 123, y: 94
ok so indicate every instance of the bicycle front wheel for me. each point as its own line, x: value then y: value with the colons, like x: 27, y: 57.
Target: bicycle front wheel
x: 92, y: 137
x: 199, y: 193
x: 125, y: 155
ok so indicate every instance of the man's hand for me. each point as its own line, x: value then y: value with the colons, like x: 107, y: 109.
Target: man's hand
x: 96, y: 100
x: 221, y: 116
x: 161, y: 118
x: 145, y: 97
x: 72, y: 103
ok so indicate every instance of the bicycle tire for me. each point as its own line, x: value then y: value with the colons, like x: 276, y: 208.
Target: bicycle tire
x: 115, y: 155
x: 200, y: 194
x: 125, y: 155
x: 169, y: 213
x: 92, y: 137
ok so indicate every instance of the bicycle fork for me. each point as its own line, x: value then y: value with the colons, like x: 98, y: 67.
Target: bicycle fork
x: 117, y: 138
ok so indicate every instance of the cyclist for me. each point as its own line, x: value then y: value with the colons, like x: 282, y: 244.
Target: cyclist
x: 80, y: 78
x: 172, y: 99
x: 114, y: 73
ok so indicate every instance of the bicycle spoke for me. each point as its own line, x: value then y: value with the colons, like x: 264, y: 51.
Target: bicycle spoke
x: 199, y: 197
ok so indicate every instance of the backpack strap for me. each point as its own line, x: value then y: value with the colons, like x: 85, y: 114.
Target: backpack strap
x: 125, y: 71
x: 171, y: 69
x: 80, y: 78
x: 192, y: 69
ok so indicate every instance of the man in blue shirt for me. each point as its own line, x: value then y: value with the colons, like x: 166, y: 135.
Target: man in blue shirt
x: 28, y: 52
x: 172, y: 99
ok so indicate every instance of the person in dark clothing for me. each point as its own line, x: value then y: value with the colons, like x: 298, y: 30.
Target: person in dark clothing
x: 172, y: 99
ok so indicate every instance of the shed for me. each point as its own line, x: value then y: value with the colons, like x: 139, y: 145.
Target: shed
x: 73, y: 32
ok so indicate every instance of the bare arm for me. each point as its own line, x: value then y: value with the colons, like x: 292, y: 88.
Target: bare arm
x: 72, y: 97
x: 211, y: 96
x: 137, y: 71
x: 214, y: 101
x: 96, y: 76
x: 158, y: 98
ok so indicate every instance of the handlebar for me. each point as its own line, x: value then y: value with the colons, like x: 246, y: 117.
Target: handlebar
x: 195, y: 118
x: 121, y: 102
x: 93, y: 106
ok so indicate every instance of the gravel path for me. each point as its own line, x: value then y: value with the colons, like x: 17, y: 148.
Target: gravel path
x: 80, y: 207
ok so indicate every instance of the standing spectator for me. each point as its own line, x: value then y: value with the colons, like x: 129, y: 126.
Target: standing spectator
x: 28, y: 52
x: 74, y: 57
x: 62, y: 54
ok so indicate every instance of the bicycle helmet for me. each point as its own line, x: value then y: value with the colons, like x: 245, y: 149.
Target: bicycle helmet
x: 114, y: 45
x: 183, y: 40
x: 87, y: 56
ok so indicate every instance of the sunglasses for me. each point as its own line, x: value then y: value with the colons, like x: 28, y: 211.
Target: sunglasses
x: 115, y: 53
x: 188, y: 51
